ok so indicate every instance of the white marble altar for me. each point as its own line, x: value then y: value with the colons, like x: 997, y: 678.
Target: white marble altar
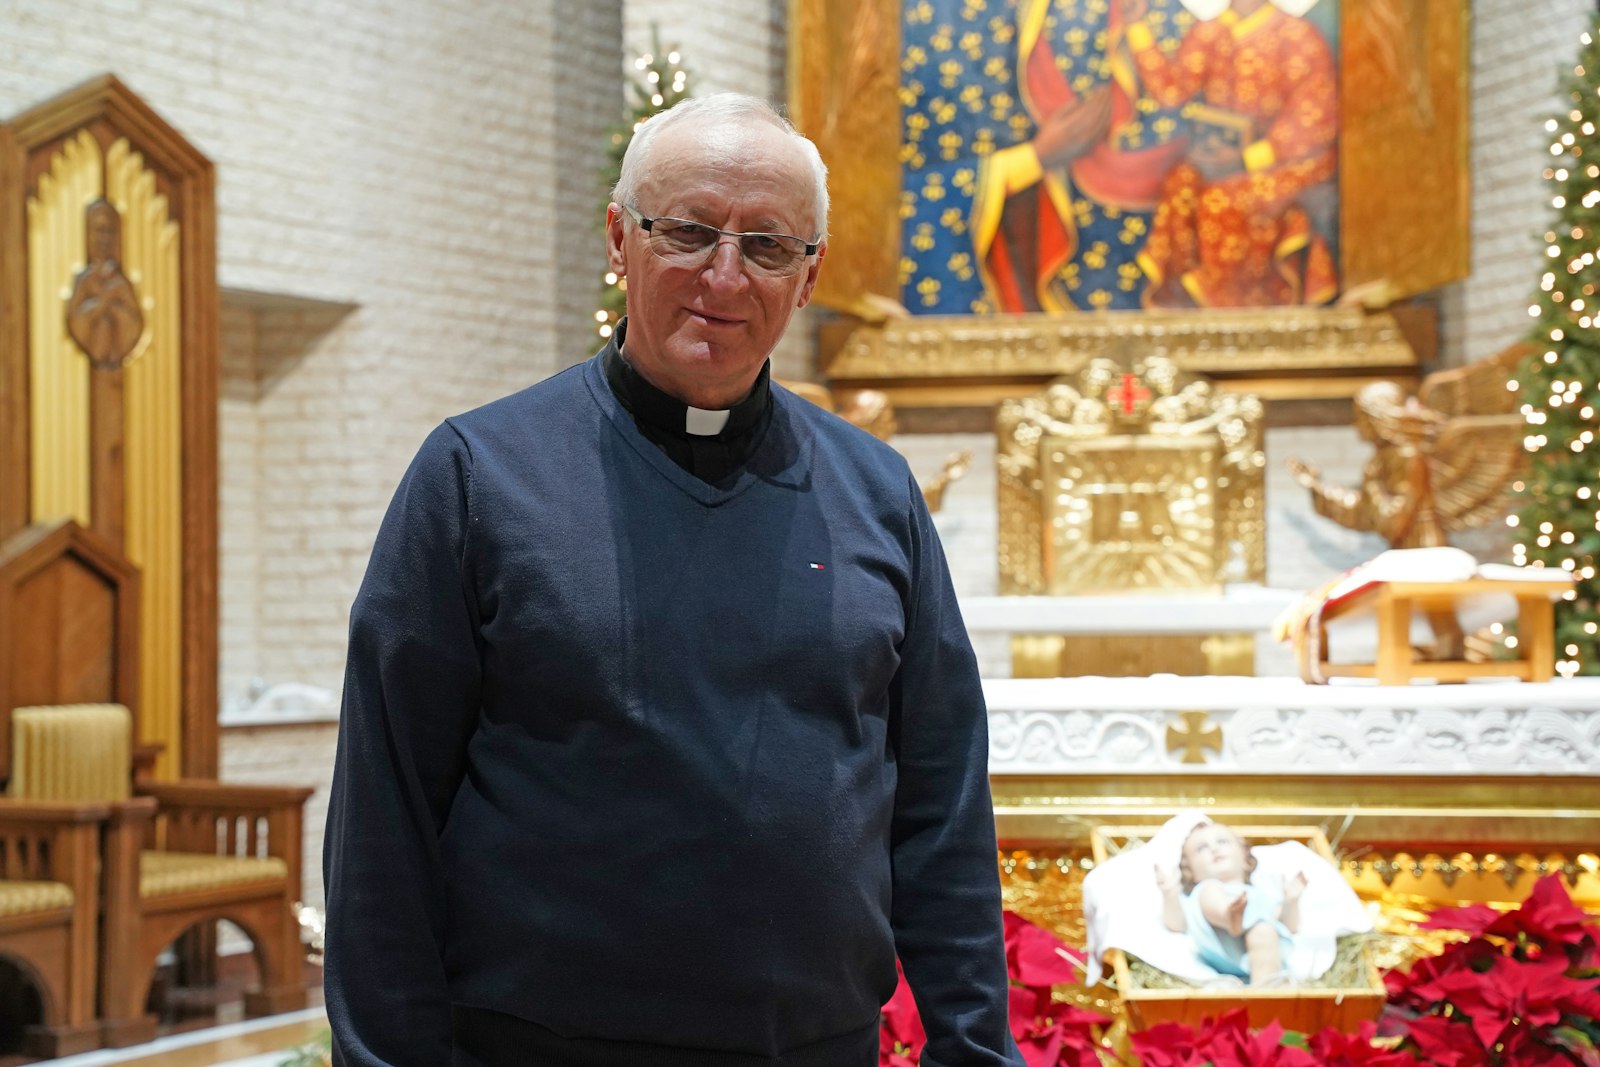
x: 1138, y: 726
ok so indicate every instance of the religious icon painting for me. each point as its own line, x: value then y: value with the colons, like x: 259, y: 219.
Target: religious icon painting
x: 1061, y: 155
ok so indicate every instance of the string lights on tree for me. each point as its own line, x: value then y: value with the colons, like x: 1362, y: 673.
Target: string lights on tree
x: 1558, y: 520
x: 658, y: 81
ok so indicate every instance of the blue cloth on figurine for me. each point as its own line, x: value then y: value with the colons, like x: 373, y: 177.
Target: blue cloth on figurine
x: 1221, y: 951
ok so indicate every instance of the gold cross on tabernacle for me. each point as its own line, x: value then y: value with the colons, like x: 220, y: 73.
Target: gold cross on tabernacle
x: 1194, y: 733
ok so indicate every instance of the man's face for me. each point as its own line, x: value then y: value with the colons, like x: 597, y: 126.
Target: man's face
x: 1215, y: 851
x: 702, y: 333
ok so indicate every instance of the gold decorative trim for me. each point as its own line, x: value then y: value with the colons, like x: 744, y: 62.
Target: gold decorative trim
x: 154, y: 446
x: 1419, y: 813
x: 59, y: 372
x: 1241, y: 341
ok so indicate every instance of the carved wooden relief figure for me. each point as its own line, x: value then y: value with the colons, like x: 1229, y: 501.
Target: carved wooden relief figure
x: 103, y: 314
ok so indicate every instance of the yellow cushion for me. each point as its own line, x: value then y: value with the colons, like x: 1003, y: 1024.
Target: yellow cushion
x: 24, y: 898
x: 71, y: 752
x: 164, y: 873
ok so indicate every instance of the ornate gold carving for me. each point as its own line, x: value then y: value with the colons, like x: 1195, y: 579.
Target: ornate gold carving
x: 1214, y: 342
x: 1442, y: 461
x: 1404, y: 195
x: 1194, y: 733
x: 1133, y: 476
x: 154, y: 445
x: 1120, y: 656
x: 844, y: 96
x: 59, y: 408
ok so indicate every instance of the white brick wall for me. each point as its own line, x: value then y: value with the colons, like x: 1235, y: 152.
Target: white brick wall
x: 1518, y: 55
x: 298, y: 754
x: 434, y: 164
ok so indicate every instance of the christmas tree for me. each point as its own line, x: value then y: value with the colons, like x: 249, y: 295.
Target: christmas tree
x: 1558, y: 520
x: 659, y: 82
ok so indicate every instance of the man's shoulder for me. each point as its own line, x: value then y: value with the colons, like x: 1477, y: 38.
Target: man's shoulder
x: 841, y: 443
x: 543, y: 398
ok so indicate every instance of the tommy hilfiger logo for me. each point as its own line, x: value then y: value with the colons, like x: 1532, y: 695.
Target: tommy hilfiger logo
x: 818, y: 566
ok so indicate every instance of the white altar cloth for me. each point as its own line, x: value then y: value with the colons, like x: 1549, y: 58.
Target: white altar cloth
x: 1238, y: 609
x: 1283, y: 726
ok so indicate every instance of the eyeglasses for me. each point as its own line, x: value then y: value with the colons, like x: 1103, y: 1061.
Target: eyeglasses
x: 685, y: 243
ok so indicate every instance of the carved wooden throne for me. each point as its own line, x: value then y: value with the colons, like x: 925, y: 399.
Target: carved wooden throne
x: 108, y: 539
x: 176, y: 853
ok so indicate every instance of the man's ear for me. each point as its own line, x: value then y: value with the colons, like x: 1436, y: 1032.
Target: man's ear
x: 811, y: 276
x: 616, y: 257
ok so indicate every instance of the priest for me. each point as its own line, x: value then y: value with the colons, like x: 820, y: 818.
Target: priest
x: 662, y: 737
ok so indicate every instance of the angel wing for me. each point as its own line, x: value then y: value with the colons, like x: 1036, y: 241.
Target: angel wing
x: 1473, y: 464
x: 1478, y: 452
x: 1478, y: 388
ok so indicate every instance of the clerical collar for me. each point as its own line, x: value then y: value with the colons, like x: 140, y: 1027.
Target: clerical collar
x: 668, y: 414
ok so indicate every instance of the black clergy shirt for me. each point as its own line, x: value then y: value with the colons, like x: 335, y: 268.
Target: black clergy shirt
x: 665, y: 420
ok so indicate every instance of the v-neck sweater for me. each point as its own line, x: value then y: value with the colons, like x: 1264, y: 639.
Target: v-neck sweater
x: 637, y: 758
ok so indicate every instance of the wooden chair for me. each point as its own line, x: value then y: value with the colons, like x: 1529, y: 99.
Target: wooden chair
x: 49, y: 904
x: 177, y: 854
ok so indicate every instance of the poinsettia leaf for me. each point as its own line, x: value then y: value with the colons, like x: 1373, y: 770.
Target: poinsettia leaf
x: 901, y: 1021
x: 1166, y: 1045
x: 1036, y: 957
x: 1549, y: 915
x: 1446, y: 1043
x: 1473, y: 919
x: 1576, y: 1043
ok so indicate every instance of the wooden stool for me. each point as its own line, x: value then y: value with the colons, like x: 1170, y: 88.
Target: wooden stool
x: 1395, y: 602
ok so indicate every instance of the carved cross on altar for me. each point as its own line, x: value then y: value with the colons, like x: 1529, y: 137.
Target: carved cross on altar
x: 1195, y: 733
x: 106, y: 322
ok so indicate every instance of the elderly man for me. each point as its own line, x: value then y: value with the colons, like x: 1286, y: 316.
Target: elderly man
x: 662, y: 735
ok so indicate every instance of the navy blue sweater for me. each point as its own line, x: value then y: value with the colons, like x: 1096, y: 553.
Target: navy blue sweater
x: 642, y: 759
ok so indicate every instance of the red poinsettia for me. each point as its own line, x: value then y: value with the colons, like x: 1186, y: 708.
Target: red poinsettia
x: 1049, y: 1034
x: 1548, y: 917
x: 1522, y: 991
x: 1036, y: 957
x: 1332, y: 1048
x: 1229, y: 1042
x: 1167, y: 1045
x: 900, y: 1035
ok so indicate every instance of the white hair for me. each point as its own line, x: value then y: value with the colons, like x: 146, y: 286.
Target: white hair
x: 718, y: 107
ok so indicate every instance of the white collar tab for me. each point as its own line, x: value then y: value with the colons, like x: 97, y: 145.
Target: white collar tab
x: 703, y: 423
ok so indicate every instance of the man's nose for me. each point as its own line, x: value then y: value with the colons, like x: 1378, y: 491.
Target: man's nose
x: 727, y: 263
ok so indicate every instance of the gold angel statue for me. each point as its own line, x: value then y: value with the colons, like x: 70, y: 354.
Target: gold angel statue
x: 1442, y: 460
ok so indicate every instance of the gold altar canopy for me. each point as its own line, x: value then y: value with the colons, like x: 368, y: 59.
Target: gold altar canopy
x: 1133, y: 476
x: 108, y: 375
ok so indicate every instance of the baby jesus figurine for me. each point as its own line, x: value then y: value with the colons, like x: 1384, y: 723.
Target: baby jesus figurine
x: 1238, y: 927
